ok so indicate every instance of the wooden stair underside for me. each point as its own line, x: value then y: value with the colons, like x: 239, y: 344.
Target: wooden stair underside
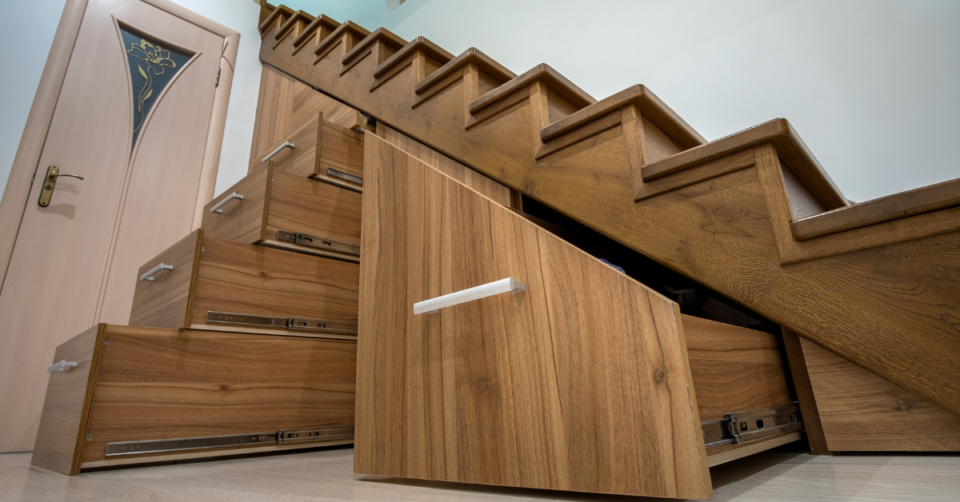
x: 752, y: 216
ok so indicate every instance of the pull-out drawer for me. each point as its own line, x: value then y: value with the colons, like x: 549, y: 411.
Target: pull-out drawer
x: 138, y: 395
x: 324, y: 151
x: 215, y: 284
x: 493, y: 352
x: 280, y: 209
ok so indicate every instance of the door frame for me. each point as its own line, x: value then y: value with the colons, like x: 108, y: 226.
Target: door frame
x: 25, y: 163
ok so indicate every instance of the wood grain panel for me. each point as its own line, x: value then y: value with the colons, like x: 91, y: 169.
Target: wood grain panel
x: 304, y: 205
x: 340, y: 149
x: 734, y: 369
x: 162, y: 383
x: 277, y: 200
x: 240, y: 220
x: 863, y: 412
x: 245, y: 279
x: 806, y: 400
x: 66, y: 407
x: 165, y: 301
x: 578, y: 383
x: 446, y: 165
x: 285, y: 105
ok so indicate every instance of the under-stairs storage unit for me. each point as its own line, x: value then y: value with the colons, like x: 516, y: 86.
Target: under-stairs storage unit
x: 129, y: 395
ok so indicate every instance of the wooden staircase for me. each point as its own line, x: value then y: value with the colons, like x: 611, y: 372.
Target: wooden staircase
x: 753, y: 215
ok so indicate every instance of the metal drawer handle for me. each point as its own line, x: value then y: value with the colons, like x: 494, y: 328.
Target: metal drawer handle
x: 63, y: 365
x: 433, y: 305
x: 149, y: 275
x: 271, y: 154
x: 216, y: 208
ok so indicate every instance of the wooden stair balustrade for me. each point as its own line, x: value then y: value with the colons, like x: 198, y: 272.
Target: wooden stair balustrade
x: 739, y: 215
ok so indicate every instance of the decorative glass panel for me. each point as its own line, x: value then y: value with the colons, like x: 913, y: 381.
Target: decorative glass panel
x: 152, y: 67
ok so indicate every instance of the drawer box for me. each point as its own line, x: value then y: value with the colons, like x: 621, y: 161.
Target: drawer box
x: 280, y: 209
x: 493, y: 352
x: 324, y: 151
x: 134, y: 389
x: 215, y: 284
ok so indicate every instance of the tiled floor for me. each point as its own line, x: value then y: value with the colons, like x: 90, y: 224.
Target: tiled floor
x: 328, y: 475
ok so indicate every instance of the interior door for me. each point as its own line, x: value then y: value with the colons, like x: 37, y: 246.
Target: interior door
x: 132, y: 120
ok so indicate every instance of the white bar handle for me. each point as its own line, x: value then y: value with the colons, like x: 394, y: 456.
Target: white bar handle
x: 433, y: 305
x: 149, y: 275
x: 216, y: 208
x: 271, y: 154
x: 63, y: 365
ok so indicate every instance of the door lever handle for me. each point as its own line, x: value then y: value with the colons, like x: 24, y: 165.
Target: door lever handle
x: 50, y: 182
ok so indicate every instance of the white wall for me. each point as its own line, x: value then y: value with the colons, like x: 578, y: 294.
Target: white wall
x: 871, y: 85
x: 26, y: 43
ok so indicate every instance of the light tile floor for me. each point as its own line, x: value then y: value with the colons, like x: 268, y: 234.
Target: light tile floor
x: 328, y: 475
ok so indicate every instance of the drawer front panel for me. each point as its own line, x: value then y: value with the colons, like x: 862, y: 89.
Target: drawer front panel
x: 164, y: 301
x: 303, y: 205
x: 580, y: 382
x: 734, y: 369
x: 255, y: 280
x: 239, y: 220
x: 163, y: 384
x: 301, y: 158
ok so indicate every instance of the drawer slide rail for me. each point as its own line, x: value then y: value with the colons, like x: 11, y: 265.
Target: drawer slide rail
x: 283, y: 436
x: 746, y: 426
x: 291, y: 323
x: 317, y: 242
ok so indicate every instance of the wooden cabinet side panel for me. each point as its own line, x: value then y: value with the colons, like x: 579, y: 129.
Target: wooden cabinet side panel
x: 164, y: 383
x: 473, y: 179
x: 246, y: 279
x: 67, y: 404
x: 863, y: 412
x: 239, y: 220
x: 300, y: 204
x: 340, y: 149
x: 734, y: 369
x: 578, y: 383
x: 163, y: 302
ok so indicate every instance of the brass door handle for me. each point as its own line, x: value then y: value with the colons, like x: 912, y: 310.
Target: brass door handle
x: 50, y: 182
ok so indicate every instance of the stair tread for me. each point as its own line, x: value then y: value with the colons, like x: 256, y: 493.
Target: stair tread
x: 543, y: 73
x: 650, y: 106
x: 379, y: 34
x: 899, y: 205
x: 296, y: 16
x: 347, y: 26
x: 429, y: 48
x: 472, y: 55
x: 790, y: 147
x: 280, y: 10
x: 317, y: 22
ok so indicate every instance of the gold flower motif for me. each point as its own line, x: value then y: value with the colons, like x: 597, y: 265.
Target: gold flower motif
x: 156, y: 60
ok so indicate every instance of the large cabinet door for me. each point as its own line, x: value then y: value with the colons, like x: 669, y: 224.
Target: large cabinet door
x: 580, y: 382
x: 132, y: 119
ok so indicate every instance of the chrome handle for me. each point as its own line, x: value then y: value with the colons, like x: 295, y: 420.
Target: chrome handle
x: 216, y: 208
x: 271, y: 154
x: 433, y: 305
x: 52, y: 176
x: 149, y: 275
x: 63, y: 365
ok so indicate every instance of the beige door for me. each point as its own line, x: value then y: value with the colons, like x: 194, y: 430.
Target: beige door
x: 132, y: 119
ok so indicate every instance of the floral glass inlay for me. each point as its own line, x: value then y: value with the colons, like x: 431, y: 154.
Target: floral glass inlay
x: 152, y: 68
